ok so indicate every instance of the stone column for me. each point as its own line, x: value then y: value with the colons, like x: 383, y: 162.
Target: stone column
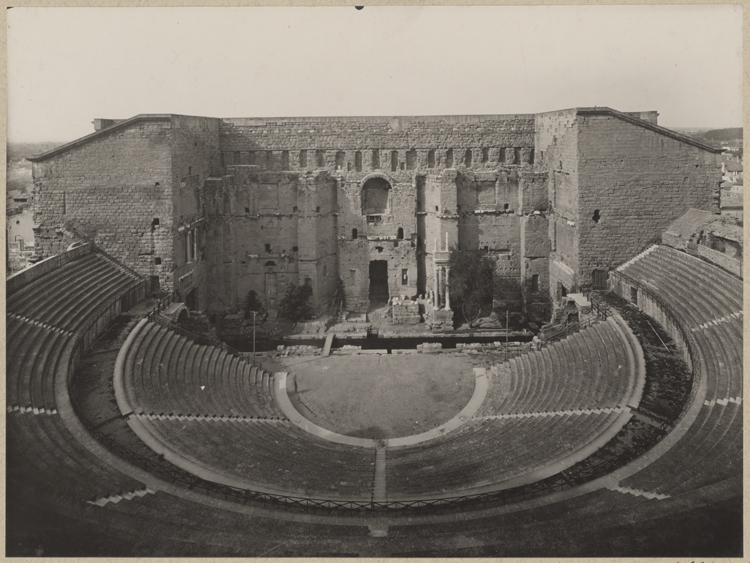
x: 447, y: 291
x: 437, y: 285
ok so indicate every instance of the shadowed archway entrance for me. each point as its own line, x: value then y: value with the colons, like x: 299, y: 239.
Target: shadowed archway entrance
x: 378, y: 282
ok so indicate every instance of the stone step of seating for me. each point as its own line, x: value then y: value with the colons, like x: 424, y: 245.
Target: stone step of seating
x: 663, y: 272
x: 723, y: 462
x: 45, y: 442
x: 20, y: 355
x: 728, y: 282
x: 637, y: 257
x: 40, y: 287
x: 268, y: 455
x: 587, y: 369
x: 168, y: 373
x: 67, y: 290
x: 208, y: 417
x: 117, y: 497
x: 705, y: 270
x: 37, y: 323
x: 689, y: 287
x: 77, y: 304
x: 639, y: 493
x: 491, y: 451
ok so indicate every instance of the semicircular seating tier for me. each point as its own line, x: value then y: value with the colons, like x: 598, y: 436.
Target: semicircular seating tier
x: 214, y: 415
x: 215, y: 412
x: 707, y: 304
x: 87, y: 499
x: 47, y: 322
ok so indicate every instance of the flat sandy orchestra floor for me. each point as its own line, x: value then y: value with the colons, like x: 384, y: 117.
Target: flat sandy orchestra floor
x: 386, y: 396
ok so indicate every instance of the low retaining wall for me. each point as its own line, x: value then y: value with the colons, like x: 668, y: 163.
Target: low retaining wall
x: 730, y: 264
x: 621, y: 285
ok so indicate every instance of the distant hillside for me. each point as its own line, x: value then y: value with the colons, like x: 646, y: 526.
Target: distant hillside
x: 730, y: 136
x: 18, y: 181
x: 18, y: 151
x: 722, y: 135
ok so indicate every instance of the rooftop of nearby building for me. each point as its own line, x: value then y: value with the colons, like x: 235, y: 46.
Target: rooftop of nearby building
x: 694, y: 220
x: 685, y: 225
x: 726, y: 228
x: 731, y: 163
x: 731, y: 199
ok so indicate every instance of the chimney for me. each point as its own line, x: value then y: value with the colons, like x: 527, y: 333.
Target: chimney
x: 100, y: 124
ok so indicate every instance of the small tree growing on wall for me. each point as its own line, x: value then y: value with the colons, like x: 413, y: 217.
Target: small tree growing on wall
x: 294, y: 305
x: 470, y: 283
x: 252, y: 304
x: 338, y: 299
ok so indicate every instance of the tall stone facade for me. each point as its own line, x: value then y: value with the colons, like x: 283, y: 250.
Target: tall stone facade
x: 135, y: 190
x: 216, y: 208
x: 616, y: 181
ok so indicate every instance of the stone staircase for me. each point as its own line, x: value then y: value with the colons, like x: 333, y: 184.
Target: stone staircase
x: 102, y: 501
x: 637, y: 257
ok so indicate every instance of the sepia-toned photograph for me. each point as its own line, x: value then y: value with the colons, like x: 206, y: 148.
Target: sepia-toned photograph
x: 374, y: 281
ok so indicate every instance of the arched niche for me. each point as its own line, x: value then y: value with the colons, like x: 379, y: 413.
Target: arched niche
x: 376, y: 195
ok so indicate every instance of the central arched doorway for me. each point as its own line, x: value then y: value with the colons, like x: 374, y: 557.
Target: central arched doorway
x: 378, y: 283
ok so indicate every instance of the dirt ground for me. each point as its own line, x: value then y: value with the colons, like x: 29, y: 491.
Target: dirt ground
x: 380, y: 396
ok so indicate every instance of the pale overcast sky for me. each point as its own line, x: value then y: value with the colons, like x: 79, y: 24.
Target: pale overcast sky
x: 67, y: 66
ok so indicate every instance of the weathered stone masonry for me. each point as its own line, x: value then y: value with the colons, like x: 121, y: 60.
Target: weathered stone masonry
x: 134, y: 189
x: 214, y: 208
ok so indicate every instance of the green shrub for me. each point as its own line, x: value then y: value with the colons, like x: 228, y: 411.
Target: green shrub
x: 294, y: 306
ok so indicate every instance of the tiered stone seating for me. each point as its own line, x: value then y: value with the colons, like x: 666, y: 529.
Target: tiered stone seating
x: 586, y: 370
x: 167, y: 373
x: 42, y: 453
x: 78, y: 289
x: 576, y: 388
x: 490, y: 451
x: 179, y: 388
x: 272, y: 455
x: 698, y: 293
x: 43, y: 317
x: 49, y: 464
